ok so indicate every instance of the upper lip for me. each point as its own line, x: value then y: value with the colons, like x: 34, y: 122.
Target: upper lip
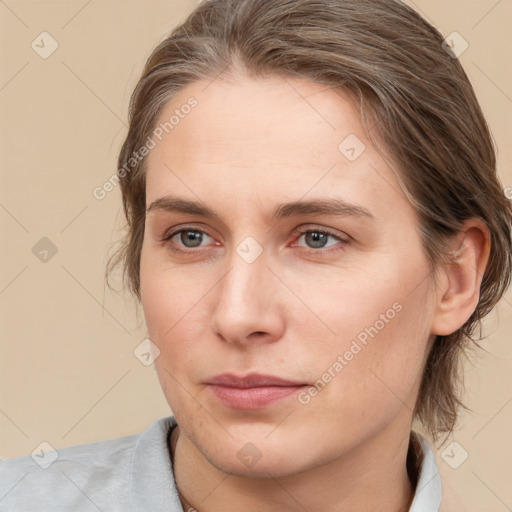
x: 252, y: 380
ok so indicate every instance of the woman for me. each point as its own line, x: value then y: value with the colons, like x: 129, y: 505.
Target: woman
x: 315, y: 229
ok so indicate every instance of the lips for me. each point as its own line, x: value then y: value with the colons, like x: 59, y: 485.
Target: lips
x: 252, y: 380
x: 253, y: 391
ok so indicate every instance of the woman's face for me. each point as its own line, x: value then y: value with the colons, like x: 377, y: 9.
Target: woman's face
x: 298, y: 265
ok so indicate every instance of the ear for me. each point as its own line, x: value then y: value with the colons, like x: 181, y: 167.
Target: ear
x: 459, y: 282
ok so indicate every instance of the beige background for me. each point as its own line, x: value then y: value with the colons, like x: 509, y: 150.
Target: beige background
x: 68, y: 373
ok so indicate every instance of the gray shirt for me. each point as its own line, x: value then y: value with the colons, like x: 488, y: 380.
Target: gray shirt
x: 129, y: 474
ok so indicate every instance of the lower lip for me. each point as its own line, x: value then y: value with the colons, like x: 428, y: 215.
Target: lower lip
x: 252, y: 398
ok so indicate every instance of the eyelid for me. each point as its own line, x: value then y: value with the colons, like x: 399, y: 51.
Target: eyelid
x: 170, y: 232
x: 321, y: 229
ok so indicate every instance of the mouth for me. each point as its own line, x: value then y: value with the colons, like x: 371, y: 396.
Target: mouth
x: 253, y: 391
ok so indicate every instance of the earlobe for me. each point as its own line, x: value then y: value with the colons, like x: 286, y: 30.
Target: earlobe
x: 459, y: 290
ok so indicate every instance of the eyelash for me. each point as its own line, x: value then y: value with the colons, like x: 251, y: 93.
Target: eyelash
x: 167, y: 237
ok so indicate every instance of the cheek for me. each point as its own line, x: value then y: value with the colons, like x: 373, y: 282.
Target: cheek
x: 167, y: 294
x: 378, y: 317
x: 176, y: 312
x: 168, y: 309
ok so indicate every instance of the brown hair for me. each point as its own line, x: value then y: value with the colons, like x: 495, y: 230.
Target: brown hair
x: 421, y: 106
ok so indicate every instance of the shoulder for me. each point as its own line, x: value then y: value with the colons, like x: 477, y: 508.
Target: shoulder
x: 90, y: 476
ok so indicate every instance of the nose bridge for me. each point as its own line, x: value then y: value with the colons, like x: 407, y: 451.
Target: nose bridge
x: 246, y: 303
x: 243, y: 286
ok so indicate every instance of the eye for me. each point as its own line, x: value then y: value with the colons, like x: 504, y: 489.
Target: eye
x: 318, y: 239
x: 187, y: 237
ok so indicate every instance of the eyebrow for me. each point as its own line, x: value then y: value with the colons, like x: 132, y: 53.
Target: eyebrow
x: 338, y: 207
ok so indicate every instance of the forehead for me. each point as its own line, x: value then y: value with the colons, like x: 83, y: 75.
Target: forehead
x: 265, y: 118
x: 267, y: 139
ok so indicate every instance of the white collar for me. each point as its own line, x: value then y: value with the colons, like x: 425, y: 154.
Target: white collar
x: 427, y: 497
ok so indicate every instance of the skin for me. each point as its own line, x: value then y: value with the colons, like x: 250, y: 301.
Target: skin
x: 248, y: 146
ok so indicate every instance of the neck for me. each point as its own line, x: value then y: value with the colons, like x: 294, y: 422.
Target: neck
x: 372, y: 477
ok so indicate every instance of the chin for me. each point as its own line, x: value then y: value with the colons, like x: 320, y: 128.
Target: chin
x: 251, y: 462
x: 252, y: 453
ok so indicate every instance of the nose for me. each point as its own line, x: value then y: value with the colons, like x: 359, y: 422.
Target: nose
x: 249, y: 309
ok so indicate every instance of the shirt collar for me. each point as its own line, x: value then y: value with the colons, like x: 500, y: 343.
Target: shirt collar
x: 427, y: 496
x: 152, y: 484
x: 153, y: 487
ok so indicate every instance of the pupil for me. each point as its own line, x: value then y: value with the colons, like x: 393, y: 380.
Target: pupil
x: 318, y: 239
